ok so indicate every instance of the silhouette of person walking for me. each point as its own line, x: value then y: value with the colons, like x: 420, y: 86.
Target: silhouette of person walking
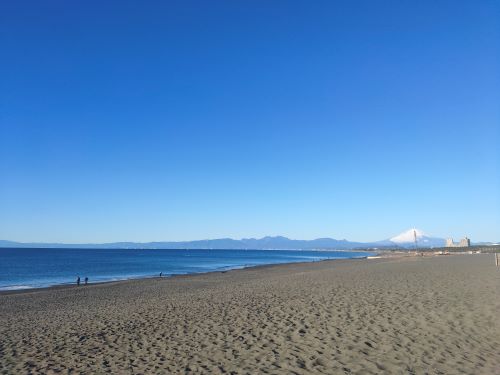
x: 86, y: 280
x: 161, y: 273
x: 78, y: 281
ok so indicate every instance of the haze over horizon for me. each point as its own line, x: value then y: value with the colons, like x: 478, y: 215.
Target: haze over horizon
x: 150, y: 122
x: 405, y: 237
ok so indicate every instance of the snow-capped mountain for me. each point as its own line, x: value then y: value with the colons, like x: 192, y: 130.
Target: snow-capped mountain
x: 407, y: 239
x: 408, y: 236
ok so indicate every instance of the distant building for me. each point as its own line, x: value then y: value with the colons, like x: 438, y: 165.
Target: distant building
x: 464, y: 242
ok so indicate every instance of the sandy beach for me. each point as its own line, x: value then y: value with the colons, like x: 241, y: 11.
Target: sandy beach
x: 421, y: 315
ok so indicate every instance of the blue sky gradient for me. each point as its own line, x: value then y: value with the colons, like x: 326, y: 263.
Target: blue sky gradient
x: 186, y: 120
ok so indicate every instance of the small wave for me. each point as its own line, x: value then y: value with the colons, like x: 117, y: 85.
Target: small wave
x: 16, y: 287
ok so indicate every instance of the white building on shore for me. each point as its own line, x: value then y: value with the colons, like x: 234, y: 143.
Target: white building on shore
x: 464, y: 242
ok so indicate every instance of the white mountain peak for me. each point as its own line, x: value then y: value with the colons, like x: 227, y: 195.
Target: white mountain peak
x: 408, y: 236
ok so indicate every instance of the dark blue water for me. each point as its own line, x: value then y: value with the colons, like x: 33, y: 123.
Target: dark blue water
x: 36, y: 268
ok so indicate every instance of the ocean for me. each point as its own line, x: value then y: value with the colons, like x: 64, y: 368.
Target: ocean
x: 23, y: 268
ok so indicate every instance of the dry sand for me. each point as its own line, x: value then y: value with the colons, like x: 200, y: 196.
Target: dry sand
x: 436, y: 315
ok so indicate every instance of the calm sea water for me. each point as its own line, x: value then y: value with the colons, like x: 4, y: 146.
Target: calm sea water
x: 36, y: 268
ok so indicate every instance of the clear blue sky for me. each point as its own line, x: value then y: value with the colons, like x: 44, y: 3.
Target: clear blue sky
x: 177, y: 120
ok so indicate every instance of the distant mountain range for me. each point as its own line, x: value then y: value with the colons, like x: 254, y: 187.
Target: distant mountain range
x: 402, y: 240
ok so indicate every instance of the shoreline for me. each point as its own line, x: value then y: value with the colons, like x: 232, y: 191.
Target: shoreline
x: 73, y: 285
x: 371, y: 254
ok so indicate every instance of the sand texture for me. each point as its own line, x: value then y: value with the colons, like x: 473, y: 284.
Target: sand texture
x: 431, y: 315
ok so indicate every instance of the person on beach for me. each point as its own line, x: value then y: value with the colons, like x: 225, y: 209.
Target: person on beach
x: 78, y: 281
x: 161, y: 273
x: 86, y: 280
